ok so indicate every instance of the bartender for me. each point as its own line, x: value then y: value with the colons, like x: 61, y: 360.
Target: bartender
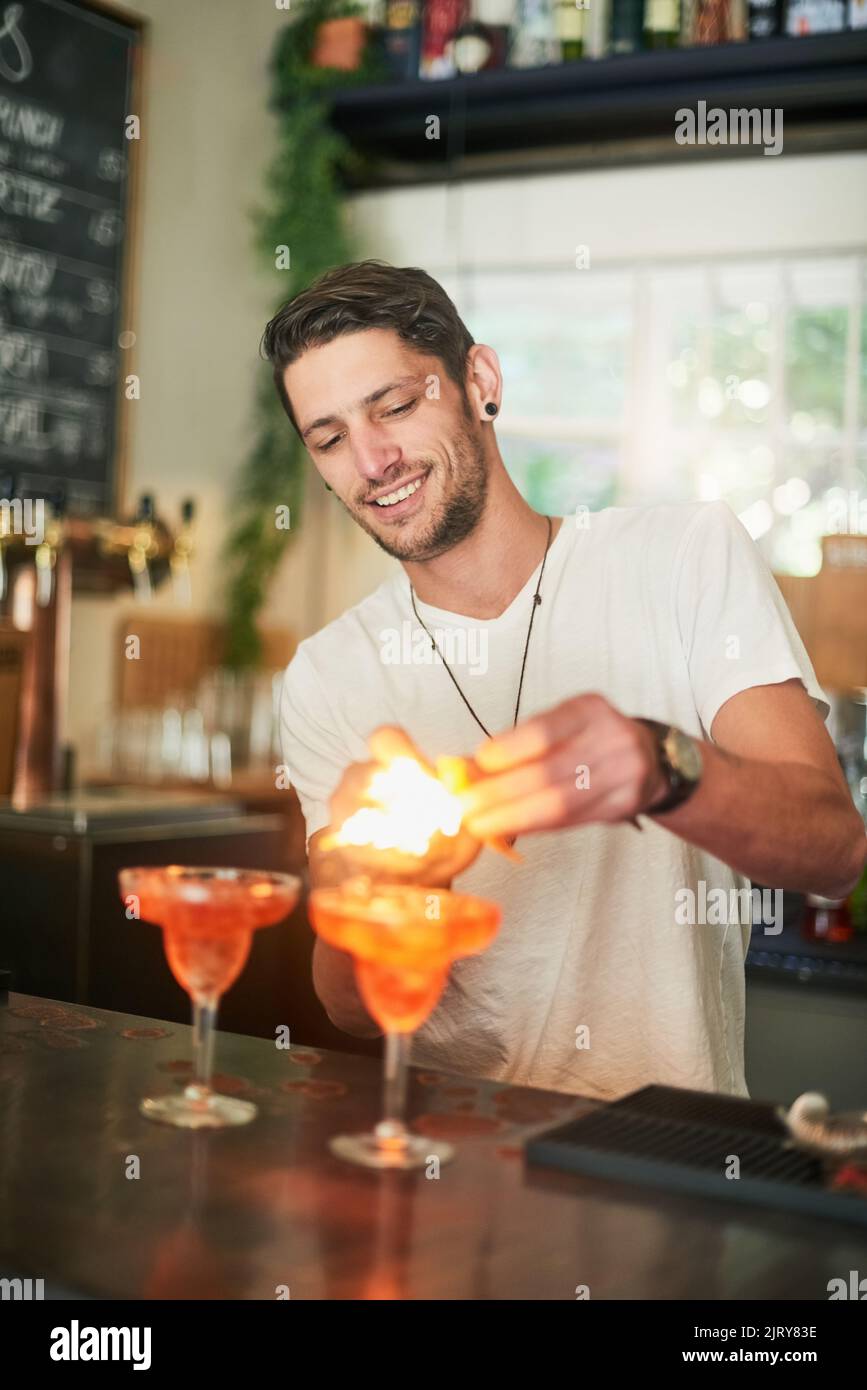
x: 629, y: 681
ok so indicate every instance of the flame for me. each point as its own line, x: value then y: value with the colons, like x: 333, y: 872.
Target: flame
x: 412, y: 807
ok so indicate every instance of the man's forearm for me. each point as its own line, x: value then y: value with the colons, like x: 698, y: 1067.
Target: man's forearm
x: 784, y: 825
x: 337, y: 991
x: 333, y: 970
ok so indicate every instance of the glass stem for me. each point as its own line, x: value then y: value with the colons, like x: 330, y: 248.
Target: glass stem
x: 392, y: 1128
x: 204, y: 1022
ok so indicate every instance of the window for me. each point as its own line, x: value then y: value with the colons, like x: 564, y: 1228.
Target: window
x: 745, y: 381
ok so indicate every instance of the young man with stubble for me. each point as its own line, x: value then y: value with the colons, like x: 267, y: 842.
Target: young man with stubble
x: 646, y: 717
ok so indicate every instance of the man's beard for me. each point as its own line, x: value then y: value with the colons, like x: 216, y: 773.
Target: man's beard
x: 455, y: 517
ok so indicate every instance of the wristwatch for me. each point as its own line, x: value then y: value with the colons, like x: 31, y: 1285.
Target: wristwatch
x: 680, y: 763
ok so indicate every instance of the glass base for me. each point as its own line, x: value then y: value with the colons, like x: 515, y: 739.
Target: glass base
x: 370, y: 1151
x: 212, y: 1111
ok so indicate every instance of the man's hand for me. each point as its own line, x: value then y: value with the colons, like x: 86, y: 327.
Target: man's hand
x: 582, y: 761
x: 447, y: 856
x: 333, y: 970
x: 772, y: 801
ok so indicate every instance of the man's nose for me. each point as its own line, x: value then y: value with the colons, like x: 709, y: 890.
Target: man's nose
x: 373, y: 453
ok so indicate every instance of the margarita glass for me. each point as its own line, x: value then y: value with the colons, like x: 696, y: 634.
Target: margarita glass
x: 403, y: 939
x: 208, y: 917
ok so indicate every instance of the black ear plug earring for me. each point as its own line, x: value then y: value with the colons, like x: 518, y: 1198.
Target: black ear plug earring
x: 491, y: 408
x: 328, y: 489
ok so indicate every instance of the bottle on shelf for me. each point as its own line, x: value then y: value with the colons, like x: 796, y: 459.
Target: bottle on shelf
x: 711, y: 22
x: 858, y: 14
x: 441, y: 21
x: 374, y: 18
x: 569, y: 22
x: 373, y: 14
x: 815, y: 17
x: 662, y: 23
x: 739, y: 20
x: 535, y: 43
x: 627, y: 26
x: 472, y: 48
x: 499, y: 18
x: 765, y: 19
x: 401, y: 38
x: 597, y: 28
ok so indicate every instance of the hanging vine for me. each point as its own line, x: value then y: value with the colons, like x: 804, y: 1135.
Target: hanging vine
x: 302, y: 210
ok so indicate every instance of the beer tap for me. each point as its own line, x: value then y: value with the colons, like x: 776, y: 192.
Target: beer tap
x: 7, y: 489
x: 142, y: 548
x: 181, y: 553
x: 46, y: 552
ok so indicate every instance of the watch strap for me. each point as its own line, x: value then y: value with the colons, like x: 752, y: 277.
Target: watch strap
x: 680, y: 787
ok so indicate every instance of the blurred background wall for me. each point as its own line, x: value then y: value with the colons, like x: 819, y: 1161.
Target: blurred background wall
x: 681, y: 324
x: 200, y: 306
x: 202, y: 301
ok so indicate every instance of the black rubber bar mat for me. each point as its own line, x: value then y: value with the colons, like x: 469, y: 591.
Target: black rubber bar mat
x: 685, y: 1142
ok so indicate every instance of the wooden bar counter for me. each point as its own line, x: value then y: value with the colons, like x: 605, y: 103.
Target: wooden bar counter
x: 265, y: 1211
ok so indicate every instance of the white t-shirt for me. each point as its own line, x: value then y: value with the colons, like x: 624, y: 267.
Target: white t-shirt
x: 592, y: 986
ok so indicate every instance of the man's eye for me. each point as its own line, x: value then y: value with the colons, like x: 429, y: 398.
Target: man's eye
x: 402, y: 409
x: 329, y: 444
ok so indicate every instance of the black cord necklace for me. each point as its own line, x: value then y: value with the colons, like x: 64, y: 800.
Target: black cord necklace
x: 536, y: 601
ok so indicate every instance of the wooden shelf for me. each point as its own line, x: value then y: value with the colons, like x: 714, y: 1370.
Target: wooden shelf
x: 613, y: 109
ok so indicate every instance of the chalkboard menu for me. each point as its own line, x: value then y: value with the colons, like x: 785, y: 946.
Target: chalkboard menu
x: 66, y: 92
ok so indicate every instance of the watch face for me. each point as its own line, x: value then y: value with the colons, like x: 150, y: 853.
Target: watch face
x: 684, y: 754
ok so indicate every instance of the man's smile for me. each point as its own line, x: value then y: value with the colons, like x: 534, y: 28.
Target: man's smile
x: 400, y: 500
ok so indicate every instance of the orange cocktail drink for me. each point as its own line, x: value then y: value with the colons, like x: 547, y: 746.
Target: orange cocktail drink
x: 208, y: 917
x: 403, y: 940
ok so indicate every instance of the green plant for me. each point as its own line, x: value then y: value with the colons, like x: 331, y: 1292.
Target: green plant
x: 302, y: 211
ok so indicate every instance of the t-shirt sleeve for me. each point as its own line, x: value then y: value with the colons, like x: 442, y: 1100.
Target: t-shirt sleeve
x: 734, y: 624
x: 313, y: 750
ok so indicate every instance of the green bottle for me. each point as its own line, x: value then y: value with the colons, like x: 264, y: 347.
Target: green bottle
x: 661, y: 23
x: 627, y: 23
x: 569, y: 23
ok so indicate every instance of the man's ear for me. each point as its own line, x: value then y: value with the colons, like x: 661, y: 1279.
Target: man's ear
x: 484, y: 381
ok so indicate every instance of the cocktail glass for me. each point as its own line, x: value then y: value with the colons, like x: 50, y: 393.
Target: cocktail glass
x: 403, y: 940
x: 208, y: 917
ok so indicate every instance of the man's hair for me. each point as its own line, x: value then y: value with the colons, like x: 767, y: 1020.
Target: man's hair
x: 368, y: 294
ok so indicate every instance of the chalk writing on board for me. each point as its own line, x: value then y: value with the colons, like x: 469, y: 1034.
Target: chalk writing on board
x: 65, y: 97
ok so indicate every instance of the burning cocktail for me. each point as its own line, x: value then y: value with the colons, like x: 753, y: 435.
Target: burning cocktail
x: 403, y: 940
x: 400, y: 819
x: 208, y: 917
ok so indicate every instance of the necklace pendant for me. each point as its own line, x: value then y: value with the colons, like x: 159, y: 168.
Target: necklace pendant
x: 537, y: 599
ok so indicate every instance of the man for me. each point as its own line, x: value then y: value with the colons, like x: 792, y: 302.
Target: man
x: 609, y: 971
